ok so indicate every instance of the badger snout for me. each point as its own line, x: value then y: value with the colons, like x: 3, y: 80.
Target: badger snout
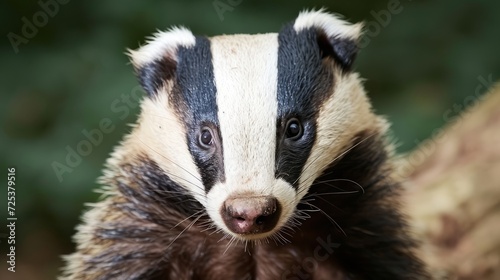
x: 251, y: 214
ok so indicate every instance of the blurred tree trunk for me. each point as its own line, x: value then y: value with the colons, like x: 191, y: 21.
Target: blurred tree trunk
x: 453, y: 193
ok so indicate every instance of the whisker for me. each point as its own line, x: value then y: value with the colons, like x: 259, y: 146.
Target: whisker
x: 337, y: 157
x: 346, y: 180
x: 171, y: 175
x: 313, y: 161
x: 171, y: 161
x: 190, y: 216
x: 334, y: 193
x: 186, y: 228
x: 229, y: 244
x: 329, y: 218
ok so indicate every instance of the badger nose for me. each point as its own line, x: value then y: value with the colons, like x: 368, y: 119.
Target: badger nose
x: 251, y: 214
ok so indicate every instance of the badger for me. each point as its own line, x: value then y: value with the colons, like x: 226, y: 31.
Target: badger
x: 254, y: 157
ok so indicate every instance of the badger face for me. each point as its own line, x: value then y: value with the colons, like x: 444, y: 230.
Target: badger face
x: 246, y: 123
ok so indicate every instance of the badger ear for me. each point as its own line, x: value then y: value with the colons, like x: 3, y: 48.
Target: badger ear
x: 156, y: 62
x: 336, y: 38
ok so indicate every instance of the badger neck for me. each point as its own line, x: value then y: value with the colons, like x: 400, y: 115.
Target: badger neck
x: 355, y: 197
x: 354, y: 206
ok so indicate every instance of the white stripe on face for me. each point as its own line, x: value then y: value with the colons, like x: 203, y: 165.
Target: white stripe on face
x: 245, y: 70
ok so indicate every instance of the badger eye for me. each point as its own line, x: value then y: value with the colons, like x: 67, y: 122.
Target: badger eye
x: 206, y: 138
x: 293, y: 129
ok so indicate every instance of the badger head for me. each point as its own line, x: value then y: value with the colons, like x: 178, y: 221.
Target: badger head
x: 246, y: 123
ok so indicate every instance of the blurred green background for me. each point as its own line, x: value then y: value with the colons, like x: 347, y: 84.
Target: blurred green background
x: 421, y: 61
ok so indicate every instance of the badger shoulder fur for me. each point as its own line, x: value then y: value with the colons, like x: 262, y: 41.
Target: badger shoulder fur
x: 254, y: 157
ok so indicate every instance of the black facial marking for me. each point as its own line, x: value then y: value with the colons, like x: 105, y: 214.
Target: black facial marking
x: 149, y: 188
x: 305, y: 79
x: 153, y: 205
x: 342, y: 50
x: 357, y: 192
x: 154, y: 74
x: 194, y: 97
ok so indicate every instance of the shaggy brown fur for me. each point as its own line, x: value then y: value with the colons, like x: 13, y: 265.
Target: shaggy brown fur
x: 142, y: 230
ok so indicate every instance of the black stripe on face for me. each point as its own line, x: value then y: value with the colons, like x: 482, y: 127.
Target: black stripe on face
x: 305, y: 79
x: 152, y: 194
x: 194, y: 97
x: 153, y: 75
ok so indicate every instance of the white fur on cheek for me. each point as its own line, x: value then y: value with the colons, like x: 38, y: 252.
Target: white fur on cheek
x: 163, y: 138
